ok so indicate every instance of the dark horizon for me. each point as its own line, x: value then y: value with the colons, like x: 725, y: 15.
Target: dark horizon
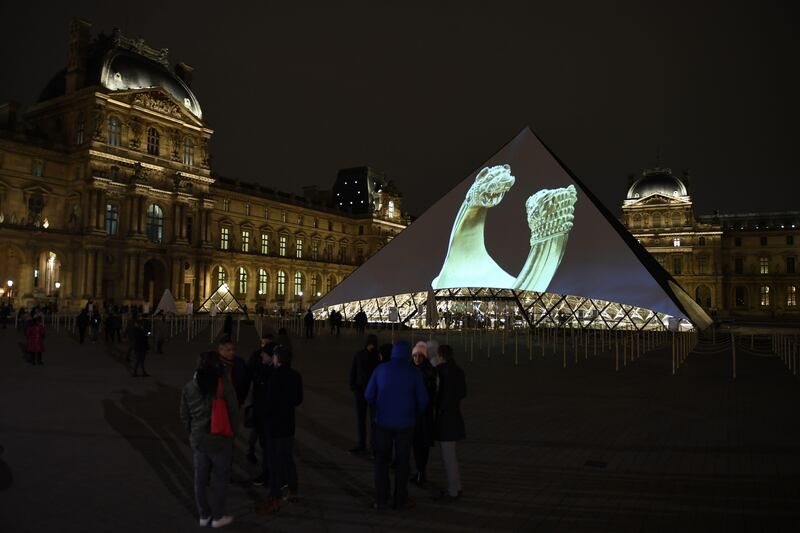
x: 426, y: 95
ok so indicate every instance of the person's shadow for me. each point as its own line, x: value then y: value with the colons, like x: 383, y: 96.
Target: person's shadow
x: 6, y: 477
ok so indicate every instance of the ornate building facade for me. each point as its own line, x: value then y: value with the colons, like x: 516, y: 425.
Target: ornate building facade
x: 107, y: 192
x: 740, y: 266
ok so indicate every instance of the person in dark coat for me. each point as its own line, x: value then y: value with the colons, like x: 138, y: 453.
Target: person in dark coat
x: 260, y: 368
x: 83, y: 323
x: 35, y: 345
x: 364, y: 363
x: 449, y: 424
x: 95, y: 322
x: 235, y: 369
x: 308, y: 321
x: 423, y: 429
x: 284, y: 393
x: 140, y: 346
x: 398, y: 395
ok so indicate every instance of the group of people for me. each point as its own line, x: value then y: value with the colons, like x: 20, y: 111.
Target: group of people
x: 275, y: 389
x: 412, y: 399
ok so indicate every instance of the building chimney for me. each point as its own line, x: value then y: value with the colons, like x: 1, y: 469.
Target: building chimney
x: 185, y: 72
x: 79, y: 32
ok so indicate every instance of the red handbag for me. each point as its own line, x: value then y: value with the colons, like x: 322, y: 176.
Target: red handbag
x: 220, y: 422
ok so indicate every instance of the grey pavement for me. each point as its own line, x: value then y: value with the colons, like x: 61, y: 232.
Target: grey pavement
x: 90, y: 448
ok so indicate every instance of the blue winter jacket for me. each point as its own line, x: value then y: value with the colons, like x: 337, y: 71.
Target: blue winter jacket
x: 396, y: 390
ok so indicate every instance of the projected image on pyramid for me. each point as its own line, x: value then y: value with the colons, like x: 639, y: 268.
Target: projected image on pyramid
x: 550, y: 215
x: 467, y: 263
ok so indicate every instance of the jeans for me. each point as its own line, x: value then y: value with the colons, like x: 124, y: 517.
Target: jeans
x: 450, y: 461
x: 386, y: 440
x: 281, y: 465
x: 215, y: 465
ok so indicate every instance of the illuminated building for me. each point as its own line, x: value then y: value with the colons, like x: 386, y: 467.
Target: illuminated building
x: 107, y: 192
x: 741, y: 266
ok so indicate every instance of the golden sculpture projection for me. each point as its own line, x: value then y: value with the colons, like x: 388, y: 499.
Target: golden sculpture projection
x: 467, y: 263
x: 550, y: 214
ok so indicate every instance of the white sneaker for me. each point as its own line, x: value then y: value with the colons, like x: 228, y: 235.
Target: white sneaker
x: 222, y: 521
x: 205, y: 521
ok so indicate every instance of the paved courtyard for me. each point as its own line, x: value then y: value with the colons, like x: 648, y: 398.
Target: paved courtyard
x: 90, y: 448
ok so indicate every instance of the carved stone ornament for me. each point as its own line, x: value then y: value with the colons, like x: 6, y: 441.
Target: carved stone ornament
x: 158, y: 103
x: 175, y: 137
x: 97, y: 118
x: 140, y: 174
x: 205, y: 154
x: 136, y: 128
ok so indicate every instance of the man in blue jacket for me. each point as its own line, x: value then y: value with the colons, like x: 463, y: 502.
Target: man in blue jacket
x: 398, y: 396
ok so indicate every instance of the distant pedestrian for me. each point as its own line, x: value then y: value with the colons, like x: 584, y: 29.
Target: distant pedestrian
x: 308, y: 320
x: 423, y: 429
x: 449, y: 424
x: 361, y: 322
x: 284, y: 393
x: 161, y: 327
x: 212, y: 452
x: 364, y: 363
x: 140, y: 346
x: 95, y: 324
x: 83, y: 323
x: 398, y: 394
x: 35, y: 341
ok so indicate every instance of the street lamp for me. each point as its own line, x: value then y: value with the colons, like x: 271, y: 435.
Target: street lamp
x: 10, y: 284
x: 58, y: 284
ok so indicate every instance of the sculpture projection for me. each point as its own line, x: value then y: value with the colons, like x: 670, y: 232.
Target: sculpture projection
x: 550, y: 215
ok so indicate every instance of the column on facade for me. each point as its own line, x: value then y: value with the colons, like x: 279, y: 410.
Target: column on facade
x: 182, y: 221
x: 88, y: 278
x: 101, y: 209
x: 140, y: 213
x: 99, y: 261
x: 91, y: 212
x: 139, y: 277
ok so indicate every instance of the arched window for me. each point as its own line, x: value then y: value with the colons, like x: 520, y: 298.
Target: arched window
x: 155, y: 223
x: 242, y: 280
x: 263, y: 281
x: 114, y: 131
x: 80, y: 129
x: 221, y: 275
x: 280, y: 285
x: 316, y: 281
x: 765, y: 296
x: 791, y: 296
x: 331, y: 283
x: 282, y: 245
x: 153, y: 139
x: 298, y: 284
x: 701, y: 241
x: 112, y: 219
x: 188, y: 151
x: 656, y: 220
x: 298, y: 247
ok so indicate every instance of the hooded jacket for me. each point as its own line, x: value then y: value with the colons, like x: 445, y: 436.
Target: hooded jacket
x: 396, y: 390
x: 195, y: 413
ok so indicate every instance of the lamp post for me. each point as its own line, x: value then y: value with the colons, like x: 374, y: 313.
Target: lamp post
x: 10, y: 284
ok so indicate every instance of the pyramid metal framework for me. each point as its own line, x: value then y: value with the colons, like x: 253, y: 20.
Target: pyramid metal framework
x: 221, y: 300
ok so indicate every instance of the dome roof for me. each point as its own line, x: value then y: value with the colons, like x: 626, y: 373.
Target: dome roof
x: 657, y: 181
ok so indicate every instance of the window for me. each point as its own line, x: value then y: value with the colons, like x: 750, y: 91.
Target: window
x: 701, y: 241
x: 677, y: 265
x: 282, y: 246
x: 280, y: 287
x: 265, y: 243
x: 298, y: 284
x: 35, y: 207
x: 791, y: 296
x: 298, y: 246
x: 676, y: 241
x: 330, y: 226
x: 226, y: 204
x: 112, y: 219
x: 283, y: 216
x: 702, y: 265
x: 189, y: 228
x: 764, y: 296
x: 224, y: 238
x: 315, y: 283
x: 314, y: 248
x: 763, y: 241
x: 242, y: 280
x: 361, y: 230
x: 222, y: 276
x: 155, y: 223
x: 153, y: 140
x: 113, y: 172
x: 390, y: 209
x: 114, y: 131
x: 359, y: 255
x: 80, y: 129
x: 263, y: 281
x: 329, y: 251
x: 790, y: 240
x: 188, y: 151
x: 657, y: 220
x: 676, y: 219
x: 247, y: 209
x: 763, y: 265
x: 637, y: 221
x: 790, y: 265
x: 738, y: 265
x: 245, y: 240
x: 740, y: 296
x: 316, y: 223
x: 330, y: 283
x: 737, y: 241
x: 37, y: 168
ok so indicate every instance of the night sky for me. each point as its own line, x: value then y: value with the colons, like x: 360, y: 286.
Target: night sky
x: 427, y: 94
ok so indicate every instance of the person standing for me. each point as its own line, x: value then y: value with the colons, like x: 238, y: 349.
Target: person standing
x: 364, y: 363
x: 212, y: 453
x: 35, y: 345
x: 161, y: 332
x: 423, y: 429
x: 449, y: 424
x: 95, y: 324
x: 397, y: 393
x: 260, y: 367
x: 308, y: 319
x: 235, y: 369
x: 140, y: 346
x: 284, y: 393
x: 83, y: 323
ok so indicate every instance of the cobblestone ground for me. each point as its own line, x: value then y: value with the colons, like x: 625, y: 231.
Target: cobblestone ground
x: 90, y: 448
